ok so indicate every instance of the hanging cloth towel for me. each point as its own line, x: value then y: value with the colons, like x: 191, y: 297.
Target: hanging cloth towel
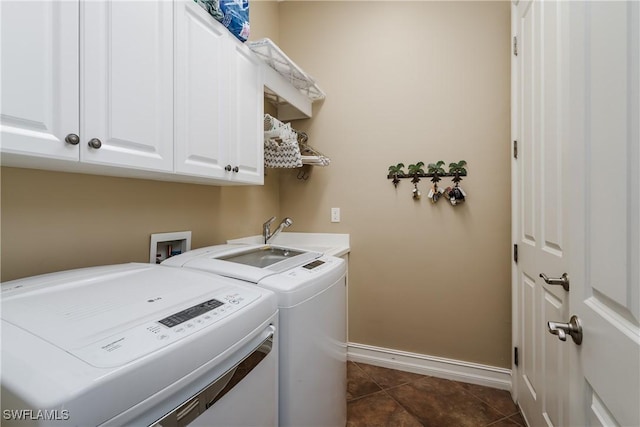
x: 281, y: 149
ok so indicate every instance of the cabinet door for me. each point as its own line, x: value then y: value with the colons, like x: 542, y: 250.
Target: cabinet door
x: 39, y: 54
x: 246, y: 106
x: 126, y: 76
x: 201, y: 113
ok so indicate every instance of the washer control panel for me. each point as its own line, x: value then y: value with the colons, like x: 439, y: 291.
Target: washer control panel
x: 313, y: 264
x: 314, y: 268
x: 151, y: 336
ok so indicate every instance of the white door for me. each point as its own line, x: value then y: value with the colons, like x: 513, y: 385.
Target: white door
x: 126, y: 77
x: 604, y: 206
x: 539, y: 212
x: 577, y: 80
x: 39, y: 54
x: 201, y: 112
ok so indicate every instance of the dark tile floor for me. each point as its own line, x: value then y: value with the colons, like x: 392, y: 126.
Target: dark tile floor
x: 388, y: 398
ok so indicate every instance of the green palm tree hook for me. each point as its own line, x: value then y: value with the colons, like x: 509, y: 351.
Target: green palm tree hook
x: 436, y: 169
x: 457, y: 169
x: 415, y: 170
x: 395, y: 171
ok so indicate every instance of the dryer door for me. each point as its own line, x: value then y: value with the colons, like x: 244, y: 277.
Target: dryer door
x: 244, y: 395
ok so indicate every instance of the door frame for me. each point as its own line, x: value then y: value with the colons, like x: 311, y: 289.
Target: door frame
x: 515, y: 209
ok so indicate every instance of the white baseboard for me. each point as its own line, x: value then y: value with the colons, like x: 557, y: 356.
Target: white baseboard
x: 474, y: 373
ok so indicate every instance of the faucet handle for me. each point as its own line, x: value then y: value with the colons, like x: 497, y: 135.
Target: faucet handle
x: 266, y: 229
x: 287, y: 222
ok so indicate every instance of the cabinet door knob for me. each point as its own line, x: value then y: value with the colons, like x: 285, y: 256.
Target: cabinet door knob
x: 236, y: 169
x: 72, y: 139
x: 95, y: 143
x: 227, y: 168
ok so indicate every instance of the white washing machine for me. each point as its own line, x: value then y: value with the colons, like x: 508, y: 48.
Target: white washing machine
x: 311, y: 293
x: 138, y: 344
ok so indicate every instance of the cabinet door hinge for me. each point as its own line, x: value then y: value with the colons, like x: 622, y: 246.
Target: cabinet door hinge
x: 515, y: 149
x: 515, y: 356
x: 515, y: 45
x: 515, y: 253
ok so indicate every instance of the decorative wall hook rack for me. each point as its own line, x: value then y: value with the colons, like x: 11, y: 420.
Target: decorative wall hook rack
x: 423, y: 175
x: 436, y: 172
x: 396, y: 172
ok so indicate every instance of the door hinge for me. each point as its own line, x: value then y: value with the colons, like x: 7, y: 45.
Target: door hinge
x: 515, y: 149
x: 515, y: 253
x: 515, y: 45
x: 515, y: 356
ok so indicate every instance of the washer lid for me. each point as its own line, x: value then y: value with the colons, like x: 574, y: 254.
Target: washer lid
x: 301, y: 284
x: 246, y: 262
x: 110, y: 316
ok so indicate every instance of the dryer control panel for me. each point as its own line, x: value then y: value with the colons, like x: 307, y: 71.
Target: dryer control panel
x: 151, y: 336
x: 190, y: 313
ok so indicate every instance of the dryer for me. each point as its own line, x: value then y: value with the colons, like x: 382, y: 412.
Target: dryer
x: 138, y: 344
x: 311, y: 292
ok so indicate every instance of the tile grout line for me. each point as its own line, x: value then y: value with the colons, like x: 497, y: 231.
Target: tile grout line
x: 372, y: 380
x: 364, y: 395
x: 384, y: 390
x: 411, y: 414
x: 389, y: 388
x: 485, y: 401
x: 505, y: 419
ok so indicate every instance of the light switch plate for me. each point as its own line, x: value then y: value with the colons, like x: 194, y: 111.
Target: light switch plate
x: 335, y: 214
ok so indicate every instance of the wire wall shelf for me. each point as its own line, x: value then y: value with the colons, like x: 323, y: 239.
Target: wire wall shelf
x: 273, y: 56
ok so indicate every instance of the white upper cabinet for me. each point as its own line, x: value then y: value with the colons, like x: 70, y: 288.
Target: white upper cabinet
x: 150, y: 89
x: 39, y: 57
x: 247, y: 122
x: 89, y: 81
x: 201, y: 134
x: 126, y: 75
x: 219, y: 101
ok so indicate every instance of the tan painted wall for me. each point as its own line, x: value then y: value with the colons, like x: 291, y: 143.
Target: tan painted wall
x: 264, y: 16
x: 54, y: 221
x: 407, y: 82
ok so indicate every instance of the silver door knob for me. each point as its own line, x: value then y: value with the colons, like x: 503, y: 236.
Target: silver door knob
x: 227, y: 168
x: 573, y: 328
x: 562, y: 281
x: 95, y: 143
x: 72, y: 139
x: 236, y: 169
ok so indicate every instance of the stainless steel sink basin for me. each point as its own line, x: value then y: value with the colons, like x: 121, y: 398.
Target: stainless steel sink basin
x: 263, y: 257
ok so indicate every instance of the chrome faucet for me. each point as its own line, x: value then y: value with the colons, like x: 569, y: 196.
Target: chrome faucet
x: 266, y: 228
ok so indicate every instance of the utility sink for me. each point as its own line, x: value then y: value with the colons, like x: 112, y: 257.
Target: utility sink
x: 263, y: 257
